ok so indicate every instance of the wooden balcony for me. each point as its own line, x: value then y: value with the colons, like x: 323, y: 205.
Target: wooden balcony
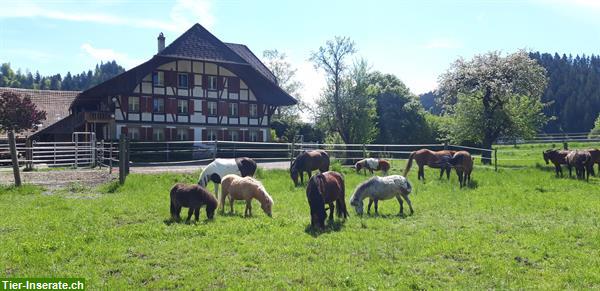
x: 98, y: 117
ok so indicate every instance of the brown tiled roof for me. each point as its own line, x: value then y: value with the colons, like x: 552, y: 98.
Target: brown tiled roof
x: 55, y: 103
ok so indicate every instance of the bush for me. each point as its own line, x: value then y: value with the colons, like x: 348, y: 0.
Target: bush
x: 595, y: 132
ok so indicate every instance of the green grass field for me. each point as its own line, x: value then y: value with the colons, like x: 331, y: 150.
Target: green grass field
x: 519, y: 228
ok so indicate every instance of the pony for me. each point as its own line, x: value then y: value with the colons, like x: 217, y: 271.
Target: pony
x: 372, y: 164
x: 595, y: 159
x: 581, y: 161
x: 218, y: 168
x: 326, y: 188
x: 463, y: 163
x: 245, y: 188
x: 557, y: 157
x: 382, y: 188
x: 308, y: 161
x: 432, y: 159
x: 194, y: 197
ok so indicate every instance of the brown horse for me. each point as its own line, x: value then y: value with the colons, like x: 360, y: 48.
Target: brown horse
x: 582, y: 162
x: 193, y: 197
x: 308, y: 161
x: 372, y: 164
x: 432, y: 159
x: 557, y: 157
x: 463, y: 163
x: 595, y: 159
x: 326, y: 188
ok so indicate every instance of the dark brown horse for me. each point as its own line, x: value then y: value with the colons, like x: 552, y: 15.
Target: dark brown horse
x: 326, y: 188
x: 582, y: 162
x: 308, y: 161
x: 557, y: 157
x: 595, y: 159
x: 192, y: 196
x: 432, y: 159
x: 463, y: 163
x: 372, y: 164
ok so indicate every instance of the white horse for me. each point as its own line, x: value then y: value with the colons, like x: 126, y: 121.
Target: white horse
x: 382, y: 188
x: 219, y: 168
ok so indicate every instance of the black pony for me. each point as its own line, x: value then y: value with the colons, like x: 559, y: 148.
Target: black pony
x: 194, y: 197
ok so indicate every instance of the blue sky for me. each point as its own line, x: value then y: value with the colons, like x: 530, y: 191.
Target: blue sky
x: 415, y: 40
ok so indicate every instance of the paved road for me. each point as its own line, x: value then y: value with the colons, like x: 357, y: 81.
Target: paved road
x: 186, y: 168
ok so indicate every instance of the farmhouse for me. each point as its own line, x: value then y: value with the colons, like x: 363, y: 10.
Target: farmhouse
x: 197, y: 88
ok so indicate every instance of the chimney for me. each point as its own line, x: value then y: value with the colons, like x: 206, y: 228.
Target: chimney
x: 161, y: 42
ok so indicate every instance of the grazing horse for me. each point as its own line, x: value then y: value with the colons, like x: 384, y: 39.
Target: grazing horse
x: 372, y: 164
x: 557, y: 157
x: 246, y: 188
x: 382, y: 188
x: 463, y: 163
x: 193, y: 197
x: 432, y: 159
x: 595, y: 159
x: 309, y: 161
x: 216, y: 170
x: 326, y: 188
x: 581, y: 161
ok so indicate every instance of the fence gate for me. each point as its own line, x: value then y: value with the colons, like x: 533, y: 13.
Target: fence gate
x: 79, y: 152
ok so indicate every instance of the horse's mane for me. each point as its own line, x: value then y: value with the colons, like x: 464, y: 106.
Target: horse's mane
x: 261, y: 189
x: 365, y: 185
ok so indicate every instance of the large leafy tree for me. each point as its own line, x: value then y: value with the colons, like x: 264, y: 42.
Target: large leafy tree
x: 493, y: 95
x: 285, y: 74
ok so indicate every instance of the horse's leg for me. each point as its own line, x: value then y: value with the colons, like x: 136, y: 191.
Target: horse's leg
x: 231, y: 204
x: 190, y: 212
x: 248, y: 211
x: 376, y: 206
x: 421, y: 174
x: 401, y: 205
x: 369, y: 207
x: 331, y: 209
x: 448, y: 170
x: 442, y: 169
x: 409, y: 204
x: 197, y: 213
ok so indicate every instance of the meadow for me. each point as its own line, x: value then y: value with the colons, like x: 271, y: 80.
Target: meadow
x: 518, y: 228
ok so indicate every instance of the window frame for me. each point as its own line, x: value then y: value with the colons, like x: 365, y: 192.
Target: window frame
x: 154, y: 105
x: 158, y: 79
x: 253, y: 136
x: 130, y: 103
x: 211, y: 135
x: 210, y: 83
x: 209, y: 113
x: 184, y: 136
x: 231, y: 135
x: 131, y: 131
x: 158, y: 134
x: 233, y: 106
x: 250, y: 111
x: 179, y: 79
x: 185, y: 110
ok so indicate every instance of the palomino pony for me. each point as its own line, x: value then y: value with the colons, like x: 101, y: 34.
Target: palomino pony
x: 557, y: 158
x: 372, y: 164
x: 463, y: 163
x: 194, y: 197
x: 216, y: 170
x: 245, y: 188
x: 326, y: 188
x: 309, y: 161
x: 581, y: 161
x: 432, y: 159
x: 382, y: 188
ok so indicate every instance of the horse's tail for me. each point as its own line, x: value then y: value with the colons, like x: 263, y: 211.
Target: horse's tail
x: 224, y: 193
x: 341, y: 203
x: 174, y: 213
x: 409, y: 164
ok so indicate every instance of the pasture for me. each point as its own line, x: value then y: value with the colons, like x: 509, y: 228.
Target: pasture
x: 516, y: 228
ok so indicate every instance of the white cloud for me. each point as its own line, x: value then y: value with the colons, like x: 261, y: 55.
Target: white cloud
x: 586, y: 4
x: 443, y: 43
x: 183, y: 14
x: 100, y: 54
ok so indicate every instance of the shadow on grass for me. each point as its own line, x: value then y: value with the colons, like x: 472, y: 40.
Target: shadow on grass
x: 472, y: 184
x: 331, y: 226
x: 171, y: 221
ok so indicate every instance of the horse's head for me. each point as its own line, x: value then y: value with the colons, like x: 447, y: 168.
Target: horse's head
x: 546, y: 155
x: 211, y: 206
x: 357, y: 202
x: 267, y: 206
x: 294, y: 175
x: 358, y: 167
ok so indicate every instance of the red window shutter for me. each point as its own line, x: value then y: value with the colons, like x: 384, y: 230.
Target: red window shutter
x: 191, y: 80
x: 234, y: 84
x: 204, y: 107
x: 142, y: 104
x: 225, y: 135
x: 204, y: 134
x: 124, y: 130
x: 191, y: 106
x: 124, y: 103
x: 259, y: 136
x: 204, y: 82
x: 149, y: 134
x: 244, y: 109
x: 170, y: 79
x: 168, y: 136
x: 260, y: 108
x: 223, y: 108
x: 220, y: 83
x: 142, y: 133
x: 173, y: 105
x: 191, y: 134
x: 149, y: 104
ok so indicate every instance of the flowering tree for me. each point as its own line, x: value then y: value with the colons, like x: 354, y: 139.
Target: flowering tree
x: 17, y: 114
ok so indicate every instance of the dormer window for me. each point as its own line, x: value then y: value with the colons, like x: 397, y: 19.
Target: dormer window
x: 158, y: 79
x: 182, y: 81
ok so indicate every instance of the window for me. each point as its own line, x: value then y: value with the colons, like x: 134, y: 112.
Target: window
x: 211, y: 134
x: 134, y: 104
x: 182, y: 106
x: 234, y: 135
x: 158, y: 79
x: 233, y: 109
x: 212, y: 108
x: 253, y: 110
x: 159, y: 105
x: 253, y: 135
x: 182, y: 134
x: 182, y: 81
x: 158, y: 134
x: 212, y: 82
x: 133, y: 133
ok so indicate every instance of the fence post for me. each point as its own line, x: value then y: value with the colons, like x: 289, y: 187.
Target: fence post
x: 292, y: 152
x: 76, y: 151
x: 12, y: 144
x: 167, y: 143
x: 110, y: 160
x: 445, y: 145
x: 93, y: 150
x: 364, y: 151
x: 127, y: 156
x: 216, y: 149
x: 565, y: 145
x: 54, y: 151
x: 122, y: 159
x: 29, y: 155
x: 496, y: 159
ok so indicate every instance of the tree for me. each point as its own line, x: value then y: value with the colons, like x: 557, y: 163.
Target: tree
x: 332, y: 59
x: 18, y: 114
x: 492, y: 96
x: 285, y: 75
x: 595, y: 132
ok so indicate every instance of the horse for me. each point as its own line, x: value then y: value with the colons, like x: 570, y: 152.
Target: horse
x: 372, y: 164
x: 595, y: 159
x: 245, y: 188
x: 218, y: 168
x: 463, y: 163
x: 382, y: 188
x: 581, y: 161
x: 194, y: 197
x: 432, y: 159
x: 326, y: 188
x: 309, y: 161
x: 557, y: 157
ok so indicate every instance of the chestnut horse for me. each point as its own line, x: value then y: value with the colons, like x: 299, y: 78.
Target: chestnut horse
x: 326, y: 188
x: 582, y: 162
x: 432, y: 159
x: 595, y: 159
x: 372, y: 164
x: 309, y: 161
x: 463, y: 163
x: 557, y: 157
